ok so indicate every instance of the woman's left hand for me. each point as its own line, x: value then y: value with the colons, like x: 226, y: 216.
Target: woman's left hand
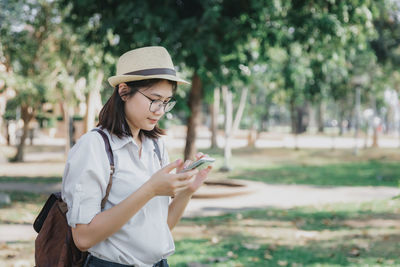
x: 199, y: 178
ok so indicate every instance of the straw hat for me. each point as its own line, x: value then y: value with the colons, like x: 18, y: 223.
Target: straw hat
x: 153, y: 62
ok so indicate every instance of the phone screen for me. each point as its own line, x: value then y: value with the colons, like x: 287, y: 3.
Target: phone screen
x: 201, y: 164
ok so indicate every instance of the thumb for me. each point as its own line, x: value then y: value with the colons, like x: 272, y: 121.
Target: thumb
x: 172, y: 166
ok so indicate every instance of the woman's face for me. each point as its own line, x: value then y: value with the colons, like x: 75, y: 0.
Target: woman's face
x: 137, y: 107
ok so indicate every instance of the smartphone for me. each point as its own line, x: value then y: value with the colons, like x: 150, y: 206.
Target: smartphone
x: 201, y: 163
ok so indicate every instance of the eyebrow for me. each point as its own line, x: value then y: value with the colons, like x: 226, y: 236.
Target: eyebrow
x: 160, y: 96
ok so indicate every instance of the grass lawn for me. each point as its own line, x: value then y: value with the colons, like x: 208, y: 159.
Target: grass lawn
x: 322, y: 167
x: 23, y: 209
x: 368, y: 173
x: 365, y: 234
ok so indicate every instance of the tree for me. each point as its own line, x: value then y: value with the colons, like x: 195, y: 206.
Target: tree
x: 76, y: 78
x: 24, y: 30
x: 313, y: 35
x: 46, y: 61
x: 202, y: 36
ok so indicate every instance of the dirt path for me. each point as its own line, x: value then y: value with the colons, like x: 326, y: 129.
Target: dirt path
x: 30, y: 187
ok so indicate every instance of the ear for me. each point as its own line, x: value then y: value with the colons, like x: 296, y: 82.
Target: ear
x: 123, y: 90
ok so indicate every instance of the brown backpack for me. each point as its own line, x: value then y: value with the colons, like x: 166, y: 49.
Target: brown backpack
x: 54, y: 245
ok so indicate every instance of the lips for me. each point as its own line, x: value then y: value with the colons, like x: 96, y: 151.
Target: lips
x: 154, y: 121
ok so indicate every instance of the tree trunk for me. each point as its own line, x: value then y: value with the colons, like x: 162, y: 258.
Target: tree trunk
x: 320, y: 116
x: 195, y: 99
x: 239, y: 112
x: 228, y: 127
x: 264, y: 122
x: 27, y: 113
x: 3, y: 104
x: 374, y: 123
x: 341, y: 122
x: 293, y: 116
x: 298, y: 117
x: 357, y: 114
x: 214, y: 118
x: 252, y: 136
x: 67, y: 126
x: 304, y: 117
x: 7, y: 133
x: 252, y: 131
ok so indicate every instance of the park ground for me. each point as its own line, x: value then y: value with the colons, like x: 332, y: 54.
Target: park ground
x: 346, y: 229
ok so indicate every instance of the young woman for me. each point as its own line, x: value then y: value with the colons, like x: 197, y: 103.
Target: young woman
x: 134, y: 228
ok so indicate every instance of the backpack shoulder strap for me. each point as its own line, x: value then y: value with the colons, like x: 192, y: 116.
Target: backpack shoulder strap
x: 110, y: 156
x: 157, y: 150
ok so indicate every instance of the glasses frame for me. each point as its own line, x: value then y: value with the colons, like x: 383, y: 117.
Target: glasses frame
x: 172, y: 100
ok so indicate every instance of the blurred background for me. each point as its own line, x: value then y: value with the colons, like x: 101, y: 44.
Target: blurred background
x: 297, y: 100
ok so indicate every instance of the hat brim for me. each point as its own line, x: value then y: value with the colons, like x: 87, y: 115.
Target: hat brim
x: 115, y: 80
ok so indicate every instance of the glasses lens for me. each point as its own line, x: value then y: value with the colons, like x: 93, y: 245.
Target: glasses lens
x: 169, y: 105
x: 156, y: 105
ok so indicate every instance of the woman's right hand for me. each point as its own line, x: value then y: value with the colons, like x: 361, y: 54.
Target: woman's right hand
x: 164, y: 183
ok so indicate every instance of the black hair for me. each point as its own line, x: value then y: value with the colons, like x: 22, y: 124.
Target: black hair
x: 112, y: 115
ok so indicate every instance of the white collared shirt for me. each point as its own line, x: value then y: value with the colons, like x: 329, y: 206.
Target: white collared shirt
x: 146, y: 238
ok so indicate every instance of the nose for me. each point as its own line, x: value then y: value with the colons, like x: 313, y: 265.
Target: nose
x: 159, y: 110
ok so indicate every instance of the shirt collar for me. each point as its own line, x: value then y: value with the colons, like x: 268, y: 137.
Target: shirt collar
x: 117, y: 143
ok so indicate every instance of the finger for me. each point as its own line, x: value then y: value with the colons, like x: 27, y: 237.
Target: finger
x: 187, y: 163
x: 172, y: 166
x: 207, y: 170
x: 186, y: 175
x: 180, y: 167
x: 199, y: 155
x: 182, y: 184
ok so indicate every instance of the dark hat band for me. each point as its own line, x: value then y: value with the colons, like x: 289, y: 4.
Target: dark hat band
x: 149, y: 72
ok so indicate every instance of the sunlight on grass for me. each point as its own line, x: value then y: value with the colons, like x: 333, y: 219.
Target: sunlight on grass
x: 312, y: 167
x: 345, y: 234
x: 329, y: 235
x: 370, y: 173
x: 23, y: 209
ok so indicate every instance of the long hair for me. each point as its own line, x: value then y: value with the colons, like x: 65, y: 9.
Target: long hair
x: 112, y: 115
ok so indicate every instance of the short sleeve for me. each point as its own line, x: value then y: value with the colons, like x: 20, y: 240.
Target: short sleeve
x: 85, y: 179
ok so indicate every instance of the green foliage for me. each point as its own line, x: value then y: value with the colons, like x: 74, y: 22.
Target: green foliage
x: 286, y: 52
x: 24, y: 35
x: 210, y: 38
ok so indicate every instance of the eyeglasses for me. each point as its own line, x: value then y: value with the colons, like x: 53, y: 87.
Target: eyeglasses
x: 156, y: 104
